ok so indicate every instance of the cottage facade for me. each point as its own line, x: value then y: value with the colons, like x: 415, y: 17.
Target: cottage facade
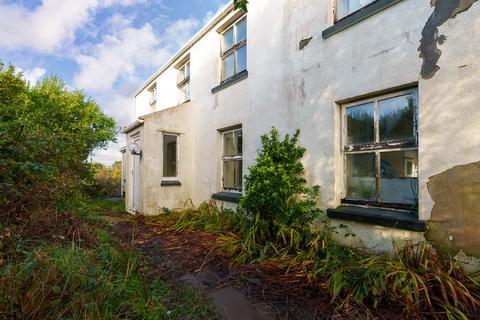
x: 391, y: 126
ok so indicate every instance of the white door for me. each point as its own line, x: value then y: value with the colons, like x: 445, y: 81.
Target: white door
x: 136, y: 176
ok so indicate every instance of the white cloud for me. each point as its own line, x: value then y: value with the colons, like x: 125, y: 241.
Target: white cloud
x: 117, y: 57
x: 33, y: 75
x: 179, y: 32
x: 49, y: 25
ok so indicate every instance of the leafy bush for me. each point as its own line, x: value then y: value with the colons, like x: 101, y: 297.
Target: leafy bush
x: 275, y: 188
x: 106, y: 180
x: 47, y: 133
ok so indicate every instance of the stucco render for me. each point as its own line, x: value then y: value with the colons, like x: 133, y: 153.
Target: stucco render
x: 293, y: 84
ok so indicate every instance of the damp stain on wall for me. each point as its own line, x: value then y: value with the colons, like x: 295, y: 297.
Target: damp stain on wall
x: 455, y: 219
x: 429, y: 51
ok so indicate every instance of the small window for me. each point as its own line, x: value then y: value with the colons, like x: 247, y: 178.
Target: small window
x: 380, y: 146
x: 232, y: 160
x: 153, y: 97
x: 346, y: 7
x: 170, y: 156
x: 234, y: 49
x: 184, y: 82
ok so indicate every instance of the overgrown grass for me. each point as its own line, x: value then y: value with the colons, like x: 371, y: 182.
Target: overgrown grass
x: 79, y: 280
x: 415, y: 277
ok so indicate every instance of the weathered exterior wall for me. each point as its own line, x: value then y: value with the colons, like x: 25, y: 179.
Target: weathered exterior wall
x: 291, y: 88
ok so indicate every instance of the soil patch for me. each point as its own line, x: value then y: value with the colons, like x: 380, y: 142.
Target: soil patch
x: 255, y: 291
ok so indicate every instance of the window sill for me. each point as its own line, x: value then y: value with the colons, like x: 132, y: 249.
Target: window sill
x: 386, y: 218
x: 230, y: 81
x: 358, y: 16
x: 227, y: 196
x: 170, y: 183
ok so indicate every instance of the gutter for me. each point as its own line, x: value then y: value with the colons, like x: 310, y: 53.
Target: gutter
x: 133, y: 126
x: 210, y: 25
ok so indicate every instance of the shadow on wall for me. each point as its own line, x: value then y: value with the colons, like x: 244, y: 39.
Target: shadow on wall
x: 455, y: 221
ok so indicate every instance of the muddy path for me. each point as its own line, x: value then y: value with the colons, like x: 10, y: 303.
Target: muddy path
x: 250, y: 292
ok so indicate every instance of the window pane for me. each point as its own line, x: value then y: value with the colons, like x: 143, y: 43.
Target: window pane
x: 238, y: 142
x: 227, y: 40
x: 242, y: 59
x: 185, y: 93
x: 169, y: 156
x: 232, y: 174
x: 360, y: 172
x: 399, y: 182
x: 187, y: 70
x: 241, y: 30
x: 228, y: 68
x: 360, y: 124
x: 345, y: 7
x: 228, y: 144
x: 396, y: 118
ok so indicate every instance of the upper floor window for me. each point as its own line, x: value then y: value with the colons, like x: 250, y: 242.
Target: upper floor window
x: 183, y: 82
x: 153, y: 96
x: 234, y: 49
x: 380, y: 147
x: 346, y: 7
x: 232, y: 160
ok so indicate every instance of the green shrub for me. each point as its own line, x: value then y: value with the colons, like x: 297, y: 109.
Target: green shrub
x: 275, y: 189
x: 47, y: 133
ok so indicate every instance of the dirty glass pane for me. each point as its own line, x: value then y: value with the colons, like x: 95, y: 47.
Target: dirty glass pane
x: 232, y: 143
x: 360, y: 124
x: 228, y: 144
x: 399, y: 172
x: 396, y: 118
x: 346, y: 7
x: 238, y: 142
x: 228, y: 66
x: 227, y: 40
x: 360, y: 173
x: 241, y: 30
x: 242, y: 59
x: 169, y: 156
x: 232, y: 174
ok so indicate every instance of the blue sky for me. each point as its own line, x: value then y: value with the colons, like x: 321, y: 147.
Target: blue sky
x: 107, y: 48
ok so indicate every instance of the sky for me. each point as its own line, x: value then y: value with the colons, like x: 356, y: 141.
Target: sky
x: 107, y: 48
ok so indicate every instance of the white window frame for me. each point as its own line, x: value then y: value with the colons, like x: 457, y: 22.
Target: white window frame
x: 177, y: 160
x: 184, y: 82
x: 152, y: 91
x: 375, y: 148
x: 230, y: 158
x: 234, y: 49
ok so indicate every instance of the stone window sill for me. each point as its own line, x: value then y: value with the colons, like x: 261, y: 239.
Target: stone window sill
x: 227, y: 196
x: 230, y: 81
x: 357, y: 16
x: 398, y: 219
x: 170, y: 183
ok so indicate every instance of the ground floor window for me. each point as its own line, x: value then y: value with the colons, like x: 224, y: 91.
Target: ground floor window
x: 380, y: 148
x: 170, y: 156
x: 232, y: 160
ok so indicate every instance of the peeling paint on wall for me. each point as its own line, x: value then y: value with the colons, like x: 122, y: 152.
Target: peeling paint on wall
x: 304, y: 42
x: 455, y: 220
x: 429, y: 52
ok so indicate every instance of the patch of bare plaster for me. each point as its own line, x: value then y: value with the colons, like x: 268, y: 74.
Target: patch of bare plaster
x: 455, y: 219
x: 304, y: 42
x: 429, y: 52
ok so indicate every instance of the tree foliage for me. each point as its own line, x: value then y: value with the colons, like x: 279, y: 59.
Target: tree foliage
x: 241, y: 4
x: 275, y: 187
x: 47, y: 133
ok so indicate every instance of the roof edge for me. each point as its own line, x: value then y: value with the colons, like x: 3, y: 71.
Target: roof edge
x: 206, y: 28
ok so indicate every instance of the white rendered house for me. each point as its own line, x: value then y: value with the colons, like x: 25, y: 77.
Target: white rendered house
x: 391, y: 128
